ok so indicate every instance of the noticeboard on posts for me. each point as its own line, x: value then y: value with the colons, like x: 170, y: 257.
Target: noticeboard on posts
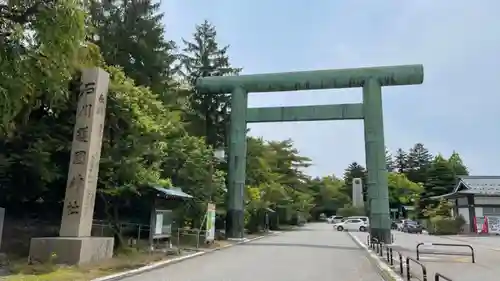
x: 161, y: 224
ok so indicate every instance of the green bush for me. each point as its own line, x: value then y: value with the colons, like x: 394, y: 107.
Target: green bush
x: 349, y: 211
x: 441, y: 225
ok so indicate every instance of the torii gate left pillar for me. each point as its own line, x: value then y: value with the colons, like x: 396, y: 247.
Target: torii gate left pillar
x: 370, y: 79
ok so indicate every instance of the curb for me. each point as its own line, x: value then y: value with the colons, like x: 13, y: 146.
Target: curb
x: 385, y: 271
x: 157, y: 265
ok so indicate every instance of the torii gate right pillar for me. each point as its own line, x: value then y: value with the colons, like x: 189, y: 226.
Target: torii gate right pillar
x: 378, y: 193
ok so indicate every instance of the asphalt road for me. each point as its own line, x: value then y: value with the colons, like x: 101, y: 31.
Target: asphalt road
x: 315, y: 252
x: 459, y: 268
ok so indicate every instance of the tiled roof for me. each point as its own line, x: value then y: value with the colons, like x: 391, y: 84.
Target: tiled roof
x: 172, y: 192
x: 479, y: 185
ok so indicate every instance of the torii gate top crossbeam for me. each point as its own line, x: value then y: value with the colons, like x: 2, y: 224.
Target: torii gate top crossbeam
x: 314, y: 80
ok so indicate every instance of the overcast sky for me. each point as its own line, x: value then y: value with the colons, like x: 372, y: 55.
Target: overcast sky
x: 457, y: 41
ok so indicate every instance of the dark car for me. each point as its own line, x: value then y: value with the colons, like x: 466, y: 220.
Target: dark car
x: 412, y: 227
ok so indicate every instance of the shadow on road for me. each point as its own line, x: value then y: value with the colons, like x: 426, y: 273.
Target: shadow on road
x: 402, y: 249
x: 299, y: 228
x: 302, y: 245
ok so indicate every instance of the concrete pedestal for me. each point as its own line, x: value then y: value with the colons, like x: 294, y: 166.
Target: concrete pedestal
x: 71, y: 250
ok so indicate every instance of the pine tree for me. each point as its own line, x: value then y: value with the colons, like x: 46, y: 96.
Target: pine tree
x: 354, y: 170
x: 389, y: 162
x: 401, y: 161
x: 419, y: 160
x: 440, y: 180
x: 204, y: 57
x: 130, y: 34
x: 458, y: 165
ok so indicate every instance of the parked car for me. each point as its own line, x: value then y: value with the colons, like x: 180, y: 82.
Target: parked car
x: 334, y: 219
x: 363, y: 218
x: 351, y: 224
x: 412, y: 227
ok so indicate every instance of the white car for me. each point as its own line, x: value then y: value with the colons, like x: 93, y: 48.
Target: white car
x: 363, y: 218
x: 334, y: 219
x: 351, y: 224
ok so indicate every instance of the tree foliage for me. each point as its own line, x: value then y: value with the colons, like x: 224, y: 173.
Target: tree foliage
x: 418, y: 162
x: 39, y: 44
x: 402, y: 190
x: 426, y: 176
x: 202, y: 57
x: 150, y: 136
x: 143, y: 53
x: 354, y: 170
x: 349, y: 211
x: 158, y: 129
x: 328, y: 195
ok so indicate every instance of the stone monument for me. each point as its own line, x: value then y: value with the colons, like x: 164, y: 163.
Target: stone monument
x: 357, y: 193
x: 75, y: 244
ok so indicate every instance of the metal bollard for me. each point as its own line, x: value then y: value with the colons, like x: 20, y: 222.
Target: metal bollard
x: 401, y: 264
x: 408, y: 274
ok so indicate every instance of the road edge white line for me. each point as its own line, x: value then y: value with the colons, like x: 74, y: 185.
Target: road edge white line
x: 382, y: 266
x: 160, y: 264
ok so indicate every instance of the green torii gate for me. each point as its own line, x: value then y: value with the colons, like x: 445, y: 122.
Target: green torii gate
x: 370, y: 79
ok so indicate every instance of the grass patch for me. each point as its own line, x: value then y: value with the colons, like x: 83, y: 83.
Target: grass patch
x: 125, y: 260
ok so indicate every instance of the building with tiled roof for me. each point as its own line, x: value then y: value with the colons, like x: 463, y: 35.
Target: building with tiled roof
x: 477, y: 197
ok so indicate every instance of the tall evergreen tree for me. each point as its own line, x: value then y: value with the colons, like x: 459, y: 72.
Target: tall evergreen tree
x: 130, y: 34
x: 389, y: 162
x: 354, y: 170
x: 401, y: 161
x: 457, y: 164
x: 419, y: 160
x: 204, y: 57
x: 440, y: 180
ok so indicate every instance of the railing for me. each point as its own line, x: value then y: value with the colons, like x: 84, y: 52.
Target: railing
x: 372, y: 242
x: 408, y: 273
x: 439, y: 276
x: 136, y: 234
x: 472, y: 255
x: 390, y: 259
x: 378, y: 248
x: 194, y: 233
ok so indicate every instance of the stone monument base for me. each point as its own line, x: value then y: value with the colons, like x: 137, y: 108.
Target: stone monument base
x: 71, y: 250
